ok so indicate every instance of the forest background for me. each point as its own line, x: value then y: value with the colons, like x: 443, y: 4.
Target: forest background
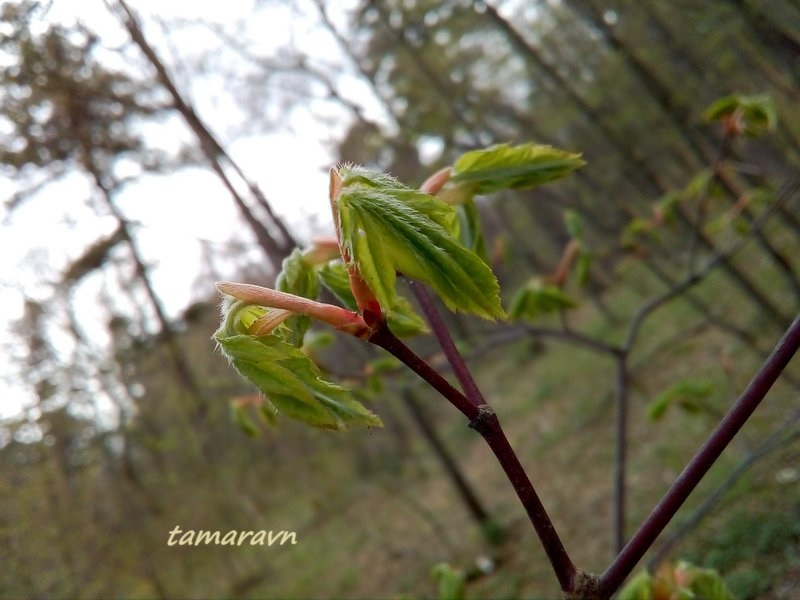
x: 146, y: 154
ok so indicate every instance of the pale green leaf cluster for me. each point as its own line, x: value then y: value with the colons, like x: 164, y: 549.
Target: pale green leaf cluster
x: 757, y: 112
x: 388, y: 228
x: 291, y: 382
x: 513, y: 167
x: 684, y: 582
x: 384, y: 228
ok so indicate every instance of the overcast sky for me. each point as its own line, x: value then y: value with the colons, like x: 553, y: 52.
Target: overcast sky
x: 173, y: 212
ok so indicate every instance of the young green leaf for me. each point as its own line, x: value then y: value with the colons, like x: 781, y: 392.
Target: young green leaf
x: 470, y: 231
x: 297, y: 277
x: 638, y: 229
x: 537, y: 297
x: 268, y: 413
x: 354, y: 176
x: 757, y: 112
x: 387, y: 228
x: 281, y: 305
x: 251, y: 319
x: 583, y: 267
x: 335, y: 278
x: 705, y: 583
x: 243, y: 316
x: 452, y: 582
x: 404, y: 321
x: 574, y: 224
x: 698, y: 185
x: 658, y: 407
x: 292, y: 383
x: 513, y: 167
x: 666, y: 206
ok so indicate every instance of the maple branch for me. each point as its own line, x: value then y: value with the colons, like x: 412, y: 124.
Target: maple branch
x: 484, y: 420
x: 702, y: 461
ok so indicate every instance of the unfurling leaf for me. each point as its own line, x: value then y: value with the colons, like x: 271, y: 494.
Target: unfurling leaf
x: 291, y: 382
x: 404, y: 321
x: 538, y: 297
x: 335, y: 278
x: 386, y: 228
x: 299, y: 278
x: 241, y: 317
x: 246, y: 294
x: 513, y: 167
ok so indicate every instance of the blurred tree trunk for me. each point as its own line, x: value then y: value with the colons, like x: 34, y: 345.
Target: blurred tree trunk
x: 677, y: 114
x: 180, y: 364
x: 783, y: 45
x: 635, y: 165
x: 641, y: 166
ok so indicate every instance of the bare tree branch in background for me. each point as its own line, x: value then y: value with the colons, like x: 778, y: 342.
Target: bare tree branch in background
x: 275, y: 247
